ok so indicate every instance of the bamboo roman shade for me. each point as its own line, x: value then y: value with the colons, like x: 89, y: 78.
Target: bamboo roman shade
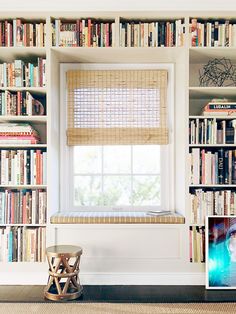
x: 107, y: 107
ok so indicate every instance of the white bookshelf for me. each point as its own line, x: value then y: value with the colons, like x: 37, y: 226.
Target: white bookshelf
x: 40, y: 123
x: 188, y: 60
x: 199, y: 96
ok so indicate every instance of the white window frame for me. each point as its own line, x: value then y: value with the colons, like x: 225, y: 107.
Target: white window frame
x: 66, y: 160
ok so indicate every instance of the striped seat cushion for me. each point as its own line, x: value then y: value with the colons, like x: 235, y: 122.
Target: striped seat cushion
x: 114, y: 218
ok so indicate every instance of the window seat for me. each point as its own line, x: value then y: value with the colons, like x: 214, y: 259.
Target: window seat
x: 114, y: 218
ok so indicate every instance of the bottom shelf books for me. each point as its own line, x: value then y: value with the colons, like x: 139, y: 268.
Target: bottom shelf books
x: 197, y: 244
x: 22, y: 244
x: 209, y: 203
x: 23, y: 206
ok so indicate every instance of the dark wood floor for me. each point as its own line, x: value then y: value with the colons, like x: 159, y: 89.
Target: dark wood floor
x: 125, y: 294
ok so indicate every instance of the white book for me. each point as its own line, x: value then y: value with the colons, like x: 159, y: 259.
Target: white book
x: 18, y: 73
x: 38, y: 245
x: 234, y: 35
x: 24, y: 244
x: 31, y: 167
x: 25, y: 166
x: 191, y: 206
x: 228, y: 201
x: 113, y: 28
x: 43, y: 244
x: 44, y: 168
x: 57, y: 32
x: 145, y: 34
x: 29, y: 103
x: 208, y: 168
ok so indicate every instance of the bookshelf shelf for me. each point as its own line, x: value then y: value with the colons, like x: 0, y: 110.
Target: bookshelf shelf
x: 211, y: 145
x: 212, y: 186
x: 218, y: 117
x: 39, y: 119
x: 29, y: 186
x: 39, y: 90
x: 200, y: 55
x: 22, y: 225
x: 119, y: 54
x: 211, y: 92
x: 23, y: 146
x: 9, y: 53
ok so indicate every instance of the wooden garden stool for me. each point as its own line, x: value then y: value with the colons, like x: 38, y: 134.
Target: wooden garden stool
x: 63, y: 280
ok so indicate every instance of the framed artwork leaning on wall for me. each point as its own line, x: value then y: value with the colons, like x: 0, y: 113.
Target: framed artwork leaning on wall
x: 221, y: 252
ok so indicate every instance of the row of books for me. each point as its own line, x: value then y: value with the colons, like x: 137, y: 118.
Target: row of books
x: 83, y: 33
x: 22, y: 244
x: 212, y: 33
x: 16, y: 33
x: 152, y: 34
x: 20, y: 104
x: 18, y: 133
x: 212, y: 167
x: 23, y: 206
x: 212, y: 131
x: 22, y: 167
x: 209, y: 203
x: 197, y: 244
x: 23, y: 74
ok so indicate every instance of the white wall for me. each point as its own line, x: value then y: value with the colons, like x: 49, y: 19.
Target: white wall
x: 114, y: 5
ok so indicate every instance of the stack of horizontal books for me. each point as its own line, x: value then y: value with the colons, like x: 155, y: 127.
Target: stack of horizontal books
x: 18, y: 133
x: 220, y: 107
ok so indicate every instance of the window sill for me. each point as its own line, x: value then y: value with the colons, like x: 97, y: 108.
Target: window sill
x: 114, y: 218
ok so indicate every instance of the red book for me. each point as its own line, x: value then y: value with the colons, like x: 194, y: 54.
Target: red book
x: 89, y: 32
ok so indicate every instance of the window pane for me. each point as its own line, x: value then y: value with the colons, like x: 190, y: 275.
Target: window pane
x: 146, y: 190
x: 117, y: 159
x: 117, y: 190
x: 88, y: 191
x: 87, y: 159
x: 146, y: 159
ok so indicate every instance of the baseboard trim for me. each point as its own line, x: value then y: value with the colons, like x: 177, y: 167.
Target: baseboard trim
x: 40, y: 278
x: 143, y: 278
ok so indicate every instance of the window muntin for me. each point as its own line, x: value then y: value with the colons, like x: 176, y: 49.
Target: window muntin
x: 111, y: 176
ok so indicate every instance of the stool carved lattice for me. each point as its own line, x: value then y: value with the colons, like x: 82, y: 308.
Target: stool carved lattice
x: 63, y: 280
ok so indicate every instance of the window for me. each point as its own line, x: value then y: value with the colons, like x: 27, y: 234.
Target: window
x: 118, y: 177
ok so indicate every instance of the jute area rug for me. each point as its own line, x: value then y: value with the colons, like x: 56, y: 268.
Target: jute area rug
x: 118, y: 308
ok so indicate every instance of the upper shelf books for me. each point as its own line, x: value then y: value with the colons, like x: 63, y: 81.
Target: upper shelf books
x: 212, y: 33
x: 16, y: 33
x: 83, y: 33
x: 152, y: 34
x: 20, y: 104
x: 23, y: 74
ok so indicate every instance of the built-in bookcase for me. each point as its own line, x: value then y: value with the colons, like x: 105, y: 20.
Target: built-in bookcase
x: 211, y: 139
x: 23, y: 99
x: 103, y: 37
